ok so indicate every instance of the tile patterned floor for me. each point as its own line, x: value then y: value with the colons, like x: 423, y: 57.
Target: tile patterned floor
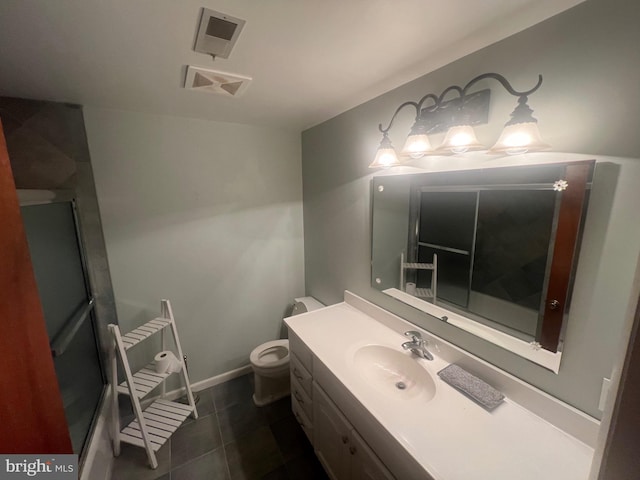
x: 231, y: 440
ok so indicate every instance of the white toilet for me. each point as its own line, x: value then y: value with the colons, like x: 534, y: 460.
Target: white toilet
x: 270, y: 361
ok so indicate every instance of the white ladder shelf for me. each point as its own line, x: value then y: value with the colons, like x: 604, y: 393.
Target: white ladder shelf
x: 154, y: 425
x: 421, y: 292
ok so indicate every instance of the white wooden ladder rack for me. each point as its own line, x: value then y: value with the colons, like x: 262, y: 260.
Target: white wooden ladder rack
x: 154, y: 425
x: 421, y: 292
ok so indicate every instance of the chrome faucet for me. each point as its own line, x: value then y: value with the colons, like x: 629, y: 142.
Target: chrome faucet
x: 417, y: 345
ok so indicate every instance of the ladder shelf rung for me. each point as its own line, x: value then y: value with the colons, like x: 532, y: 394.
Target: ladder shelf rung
x: 144, y: 381
x: 418, y: 266
x: 424, y: 293
x: 161, y: 419
x: 144, y: 331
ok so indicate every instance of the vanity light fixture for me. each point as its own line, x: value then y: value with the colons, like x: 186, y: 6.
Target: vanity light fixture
x: 386, y: 155
x: 458, y: 115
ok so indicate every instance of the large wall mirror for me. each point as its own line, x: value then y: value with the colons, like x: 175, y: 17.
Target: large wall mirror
x: 492, y: 251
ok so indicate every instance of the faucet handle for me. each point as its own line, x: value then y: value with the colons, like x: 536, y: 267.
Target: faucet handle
x: 415, y: 336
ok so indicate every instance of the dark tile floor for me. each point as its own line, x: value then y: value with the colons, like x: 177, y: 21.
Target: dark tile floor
x: 231, y: 440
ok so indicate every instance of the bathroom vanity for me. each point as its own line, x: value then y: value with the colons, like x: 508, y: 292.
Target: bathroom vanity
x: 374, y: 411
x: 341, y: 450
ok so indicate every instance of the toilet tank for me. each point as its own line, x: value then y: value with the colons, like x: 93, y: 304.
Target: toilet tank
x: 305, y: 304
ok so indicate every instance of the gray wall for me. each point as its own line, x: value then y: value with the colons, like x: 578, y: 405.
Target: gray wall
x: 588, y: 57
x: 206, y: 214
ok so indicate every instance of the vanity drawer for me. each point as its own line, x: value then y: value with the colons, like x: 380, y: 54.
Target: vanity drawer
x: 301, y: 351
x: 302, y: 419
x: 301, y: 375
x: 300, y: 395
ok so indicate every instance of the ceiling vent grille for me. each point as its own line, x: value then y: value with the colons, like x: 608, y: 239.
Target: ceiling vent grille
x: 214, y: 81
x: 217, y: 33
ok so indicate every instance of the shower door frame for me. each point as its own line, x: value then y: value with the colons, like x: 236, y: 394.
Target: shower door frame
x: 58, y: 344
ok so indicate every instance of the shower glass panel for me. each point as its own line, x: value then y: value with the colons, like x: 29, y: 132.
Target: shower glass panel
x: 57, y: 258
x: 447, y: 229
x: 512, y: 245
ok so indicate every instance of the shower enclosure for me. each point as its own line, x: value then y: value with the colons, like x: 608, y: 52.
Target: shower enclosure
x: 66, y: 296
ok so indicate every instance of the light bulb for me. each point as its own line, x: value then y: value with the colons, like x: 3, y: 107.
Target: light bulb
x: 416, y: 145
x: 519, y: 138
x: 386, y: 157
x: 460, y: 139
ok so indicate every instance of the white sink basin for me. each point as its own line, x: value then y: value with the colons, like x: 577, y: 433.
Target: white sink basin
x: 394, y: 373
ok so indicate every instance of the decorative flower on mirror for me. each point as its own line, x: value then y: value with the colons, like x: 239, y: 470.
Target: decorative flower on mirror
x: 535, y: 346
x: 560, y: 185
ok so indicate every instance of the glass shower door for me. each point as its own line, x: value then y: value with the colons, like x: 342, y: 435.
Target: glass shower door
x: 57, y: 258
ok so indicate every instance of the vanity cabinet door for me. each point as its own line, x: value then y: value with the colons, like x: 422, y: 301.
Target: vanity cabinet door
x: 331, y: 436
x: 365, y: 465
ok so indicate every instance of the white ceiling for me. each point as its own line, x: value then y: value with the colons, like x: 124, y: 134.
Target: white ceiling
x: 310, y: 59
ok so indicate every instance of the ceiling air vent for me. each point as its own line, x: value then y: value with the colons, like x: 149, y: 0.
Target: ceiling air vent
x: 217, y: 33
x: 214, y: 81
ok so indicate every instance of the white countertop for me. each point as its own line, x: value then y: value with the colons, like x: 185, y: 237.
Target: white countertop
x: 450, y: 436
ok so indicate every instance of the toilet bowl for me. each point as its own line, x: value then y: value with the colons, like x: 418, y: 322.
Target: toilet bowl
x: 270, y: 362
x: 271, y: 359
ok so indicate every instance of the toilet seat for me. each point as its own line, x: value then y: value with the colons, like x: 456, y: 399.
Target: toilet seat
x: 271, y: 355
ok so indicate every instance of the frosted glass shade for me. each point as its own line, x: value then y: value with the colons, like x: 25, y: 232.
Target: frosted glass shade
x: 460, y: 139
x: 519, y: 138
x: 385, y: 157
x: 417, y: 145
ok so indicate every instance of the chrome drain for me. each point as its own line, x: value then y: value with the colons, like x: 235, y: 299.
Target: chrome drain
x: 401, y: 385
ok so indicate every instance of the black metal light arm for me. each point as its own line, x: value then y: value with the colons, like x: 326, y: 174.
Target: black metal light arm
x: 414, y: 104
x: 436, y: 101
x: 504, y: 82
x: 462, y: 92
x: 447, y: 90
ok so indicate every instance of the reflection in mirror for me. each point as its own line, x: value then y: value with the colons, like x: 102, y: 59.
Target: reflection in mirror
x: 492, y: 248
x: 497, y: 246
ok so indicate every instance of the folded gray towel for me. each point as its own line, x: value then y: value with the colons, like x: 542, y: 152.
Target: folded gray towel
x: 481, y: 392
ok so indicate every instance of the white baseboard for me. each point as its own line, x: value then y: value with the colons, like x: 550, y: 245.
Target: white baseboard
x: 218, y: 379
x: 203, y: 384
